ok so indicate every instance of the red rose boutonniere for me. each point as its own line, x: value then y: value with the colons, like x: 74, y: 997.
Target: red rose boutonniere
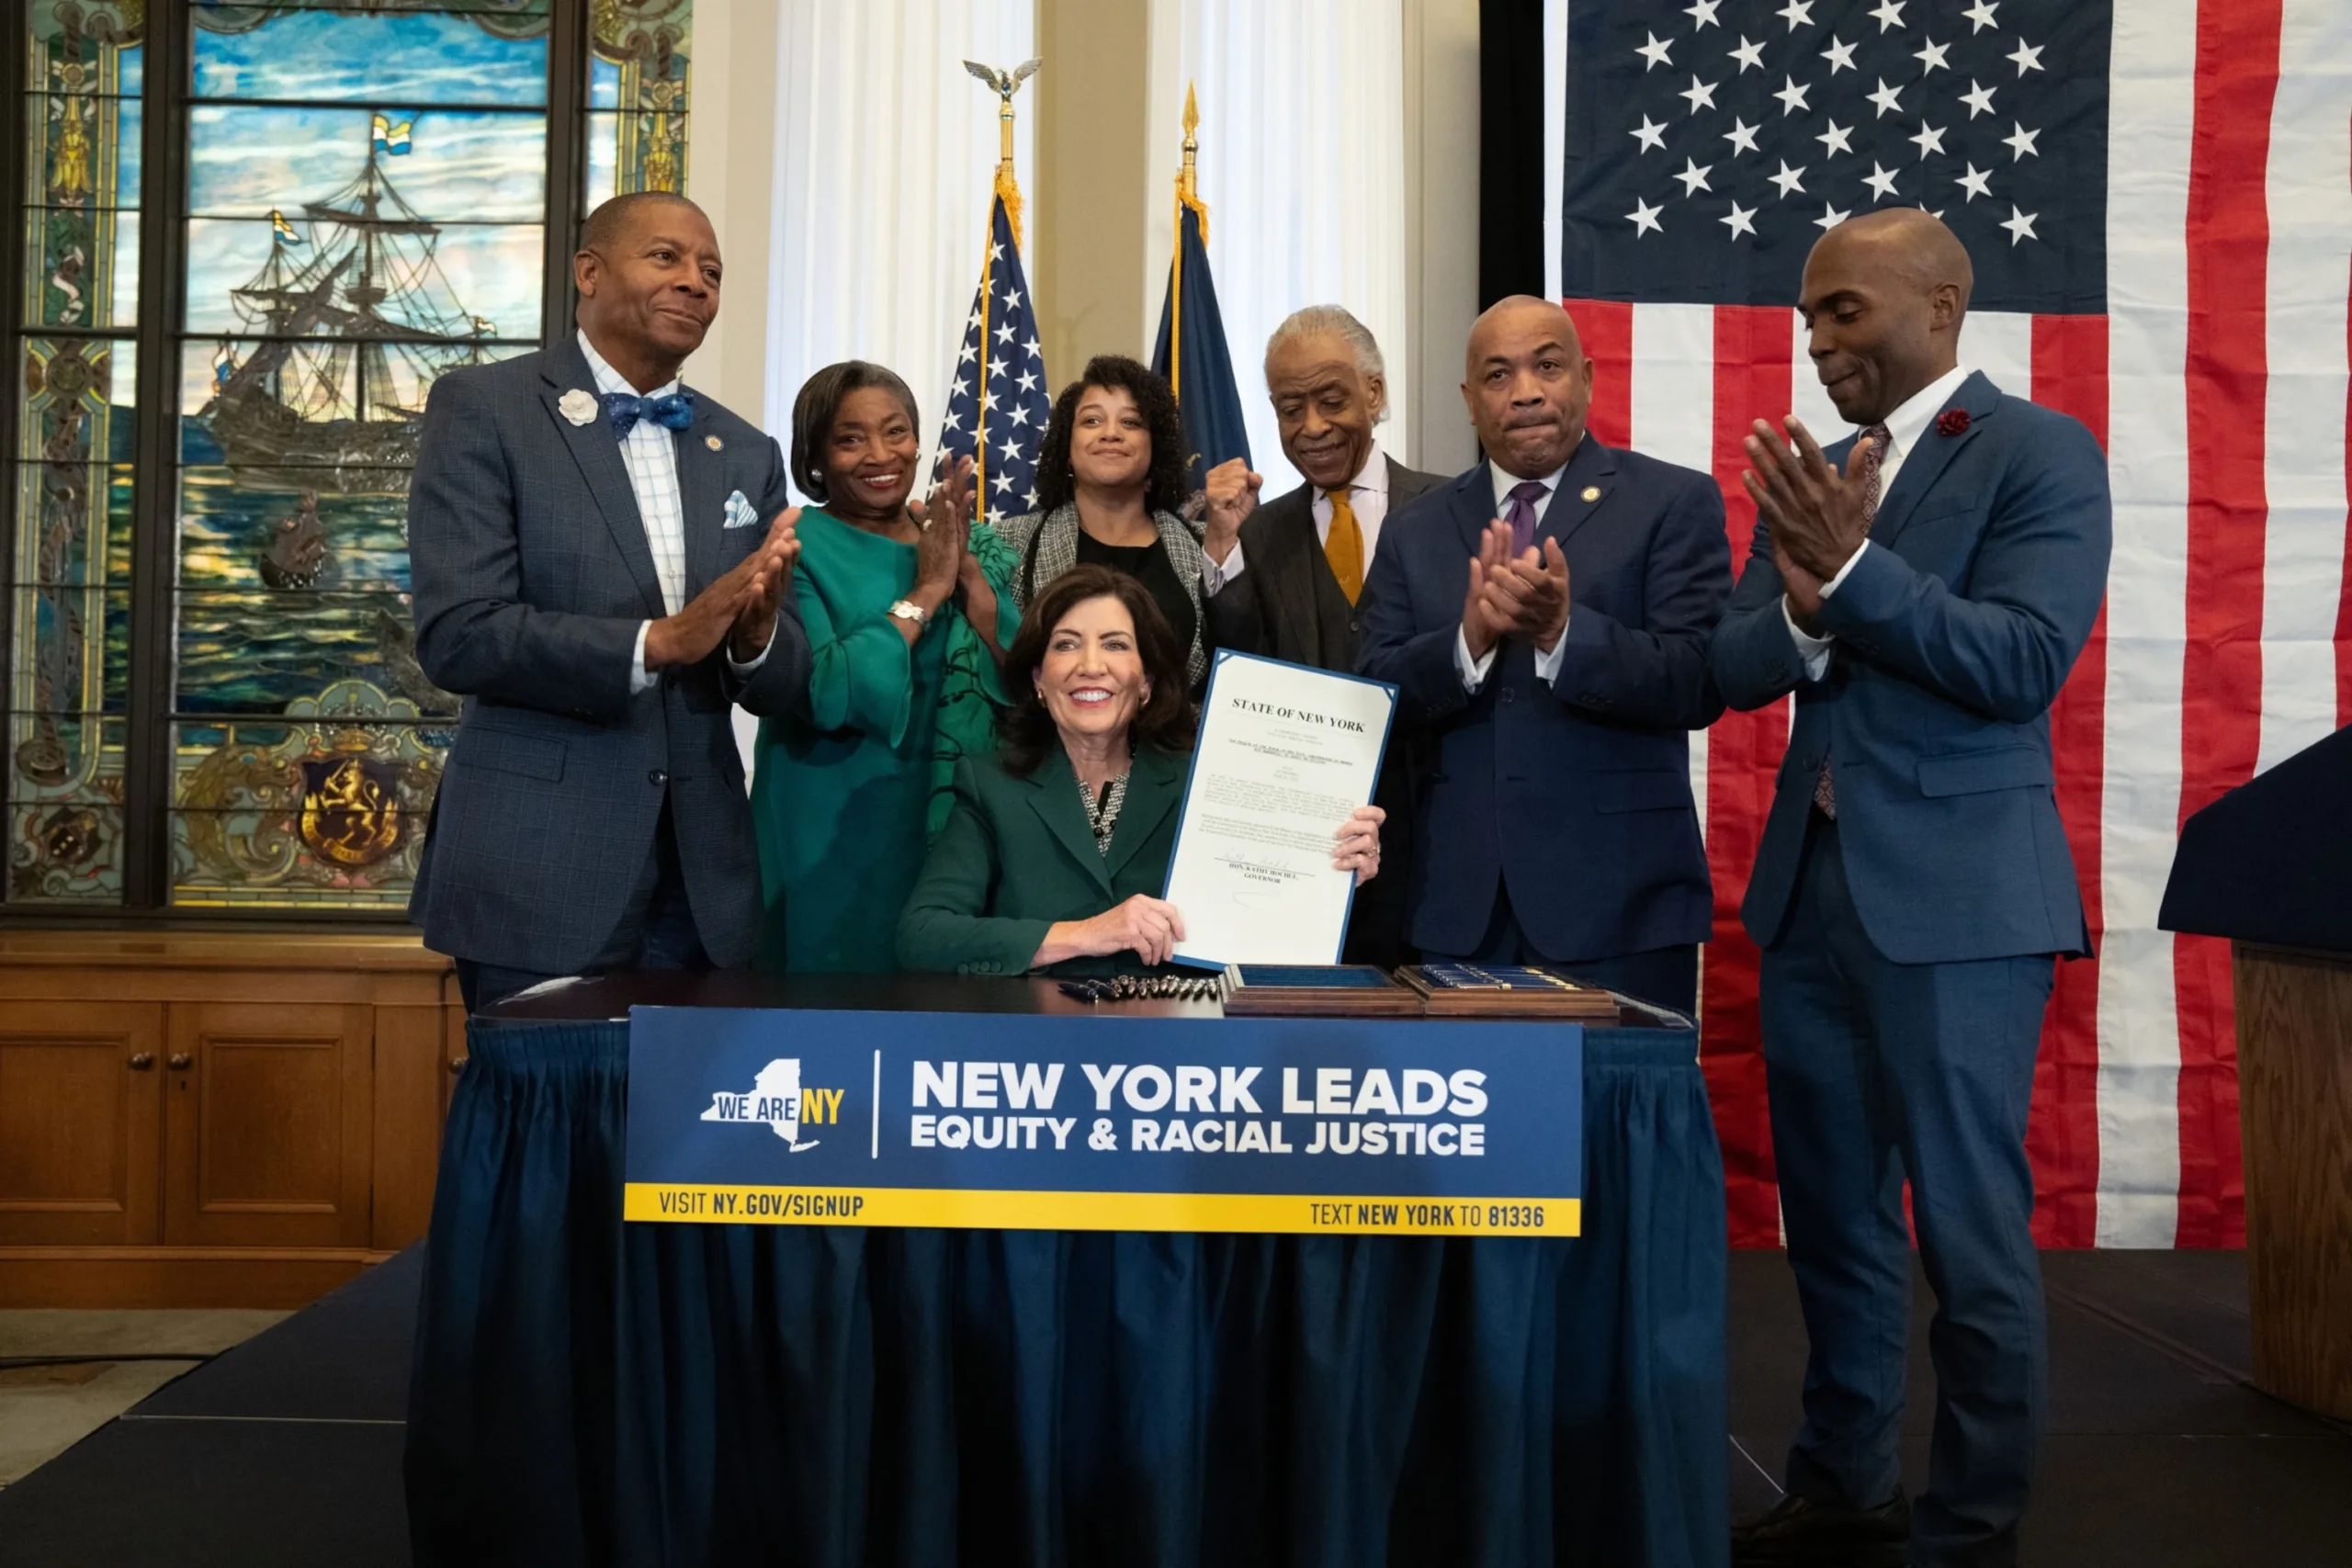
x: 1952, y: 421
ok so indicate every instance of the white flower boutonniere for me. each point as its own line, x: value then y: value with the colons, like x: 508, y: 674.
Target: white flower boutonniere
x: 577, y: 406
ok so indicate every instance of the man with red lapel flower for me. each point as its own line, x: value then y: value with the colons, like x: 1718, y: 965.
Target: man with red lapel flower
x: 1923, y: 587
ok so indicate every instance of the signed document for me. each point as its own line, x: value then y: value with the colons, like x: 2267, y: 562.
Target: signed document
x: 1285, y: 753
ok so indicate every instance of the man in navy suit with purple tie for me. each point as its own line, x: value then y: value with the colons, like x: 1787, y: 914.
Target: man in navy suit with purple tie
x: 1546, y: 617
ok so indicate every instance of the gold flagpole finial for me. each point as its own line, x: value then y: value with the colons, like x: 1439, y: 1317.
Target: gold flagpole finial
x: 1006, y: 84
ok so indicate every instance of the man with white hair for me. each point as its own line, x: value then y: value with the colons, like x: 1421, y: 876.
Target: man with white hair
x: 1284, y: 579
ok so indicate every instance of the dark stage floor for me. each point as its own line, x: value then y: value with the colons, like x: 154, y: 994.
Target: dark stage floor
x: 286, y: 1449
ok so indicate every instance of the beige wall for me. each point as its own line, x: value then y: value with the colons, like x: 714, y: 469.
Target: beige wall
x: 731, y: 152
x: 1089, y: 204
x: 1087, y: 254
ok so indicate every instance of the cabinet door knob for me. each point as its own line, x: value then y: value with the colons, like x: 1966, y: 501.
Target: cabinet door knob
x: 142, y: 1060
x: 181, y: 1062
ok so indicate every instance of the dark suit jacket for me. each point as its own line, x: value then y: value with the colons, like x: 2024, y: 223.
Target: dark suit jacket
x: 1287, y: 605
x: 1986, y: 567
x: 1017, y: 855
x: 1574, y: 795
x: 531, y: 574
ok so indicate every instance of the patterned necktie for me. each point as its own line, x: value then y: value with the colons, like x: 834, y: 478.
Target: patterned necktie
x: 1343, y: 546
x: 1520, y: 515
x: 623, y: 409
x: 1824, y: 792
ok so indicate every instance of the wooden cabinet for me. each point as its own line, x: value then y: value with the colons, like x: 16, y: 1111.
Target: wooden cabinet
x: 247, y: 1119
x: 80, y: 1088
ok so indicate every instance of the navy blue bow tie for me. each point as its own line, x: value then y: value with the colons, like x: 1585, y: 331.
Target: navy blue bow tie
x: 623, y: 409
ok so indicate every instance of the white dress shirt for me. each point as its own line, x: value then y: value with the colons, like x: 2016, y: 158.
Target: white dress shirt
x: 1905, y: 427
x: 1367, y: 498
x: 650, y: 455
x: 1547, y: 665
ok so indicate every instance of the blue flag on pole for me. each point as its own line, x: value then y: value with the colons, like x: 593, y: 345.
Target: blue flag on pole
x: 1191, y: 351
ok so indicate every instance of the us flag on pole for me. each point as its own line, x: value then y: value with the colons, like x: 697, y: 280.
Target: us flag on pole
x: 2158, y: 197
x: 998, y: 402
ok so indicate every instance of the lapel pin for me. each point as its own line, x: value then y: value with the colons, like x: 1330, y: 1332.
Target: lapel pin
x: 713, y: 442
x: 1592, y: 492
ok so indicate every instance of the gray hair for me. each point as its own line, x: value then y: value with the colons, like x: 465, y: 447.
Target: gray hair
x: 1315, y: 319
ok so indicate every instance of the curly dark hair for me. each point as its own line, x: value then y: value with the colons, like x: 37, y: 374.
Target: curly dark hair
x: 819, y: 403
x: 1167, y: 483
x: 1166, y: 721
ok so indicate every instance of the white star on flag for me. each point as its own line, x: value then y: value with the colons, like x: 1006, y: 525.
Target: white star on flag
x: 1978, y: 99
x: 1654, y: 51
x: 1981, y: 14
x: 1836, y: 139
x: 1793, y: 98
x: 1700, y: 94
x: 1888, y: 99
x: 2028, y: 58
x: 2020, y: 142
x: 1742, y: 136
x: 1881, y: 181
x: 1645, y: 218
x: 1651, y: 135
x: 1694, y: 176
x: 1747, y: 54
x: 1702, y: 15
x: 1976, y: 182
x: 1889, y: 14
x: 2020, y: 225
x: 1789, y: 179
x: 1839, y: 55
x: 1796, y: 13
x: 1741, y: 219
x: 1830, y: 217
x: 1929, y: 139
x: 1933, y: 57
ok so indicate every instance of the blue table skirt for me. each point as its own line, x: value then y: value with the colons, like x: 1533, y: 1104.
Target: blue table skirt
x: 590, y: 1392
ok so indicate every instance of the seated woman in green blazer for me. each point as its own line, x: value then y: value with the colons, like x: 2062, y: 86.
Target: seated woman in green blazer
x: 1054, y: 853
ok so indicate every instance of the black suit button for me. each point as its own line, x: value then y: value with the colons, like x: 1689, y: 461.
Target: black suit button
x: 657, y: 777
x: 1509, y: 693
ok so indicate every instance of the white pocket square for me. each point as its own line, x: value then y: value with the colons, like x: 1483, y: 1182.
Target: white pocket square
x: 739, y: 511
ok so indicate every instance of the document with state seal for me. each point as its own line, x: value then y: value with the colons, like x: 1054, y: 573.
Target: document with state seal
x: 1287, y: 752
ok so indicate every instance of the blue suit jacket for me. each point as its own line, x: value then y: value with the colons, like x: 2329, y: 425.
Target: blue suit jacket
x: 1577, y: 794
x: 1956, y: 628
x: 531, y: 574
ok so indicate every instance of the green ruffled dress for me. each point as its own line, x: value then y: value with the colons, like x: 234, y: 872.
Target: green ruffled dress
x: 848, y: 789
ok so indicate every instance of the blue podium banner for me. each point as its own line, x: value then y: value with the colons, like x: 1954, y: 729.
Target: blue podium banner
x: 1026, y: 1121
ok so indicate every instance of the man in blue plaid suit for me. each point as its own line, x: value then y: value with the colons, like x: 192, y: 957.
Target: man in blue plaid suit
x: 601, y: 561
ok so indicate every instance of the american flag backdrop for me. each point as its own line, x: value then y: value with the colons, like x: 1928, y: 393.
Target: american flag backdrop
x: 2157, y: 196
x: 998, y: 402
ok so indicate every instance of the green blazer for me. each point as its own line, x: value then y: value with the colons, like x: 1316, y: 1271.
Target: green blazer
x: 1017, y: 855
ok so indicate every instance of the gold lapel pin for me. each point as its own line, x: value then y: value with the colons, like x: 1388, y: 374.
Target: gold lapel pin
x: 713, y: 442
x: 1592, y: 492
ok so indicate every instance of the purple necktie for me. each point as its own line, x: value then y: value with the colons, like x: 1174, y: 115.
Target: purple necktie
x: 1824, y: 792
x: 1520, y: 515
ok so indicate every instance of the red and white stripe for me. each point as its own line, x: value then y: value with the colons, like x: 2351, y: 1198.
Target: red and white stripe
x: 2218, y: 382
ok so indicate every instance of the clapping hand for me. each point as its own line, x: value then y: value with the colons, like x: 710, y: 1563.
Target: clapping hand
x: 943, y: 551
x: 1483, y: 621
x: 768, y: 576
x: 1813, y: 511
x: 1530, y: 594
x: 1359, y: 843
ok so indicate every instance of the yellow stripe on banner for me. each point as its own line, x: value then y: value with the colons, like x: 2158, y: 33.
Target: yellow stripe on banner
x: 957, y: 1210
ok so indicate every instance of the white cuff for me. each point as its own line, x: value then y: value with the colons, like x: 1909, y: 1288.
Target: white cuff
x: 1472, y: 671
x: 1814, y: 650
x: 1831, y: 586
x: 757, y: 659
x: 640, y: 678
x: 1215, y: 574
x: 1547, y: 665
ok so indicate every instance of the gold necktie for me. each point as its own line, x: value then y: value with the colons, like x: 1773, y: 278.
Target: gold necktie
x: 1343, y: 546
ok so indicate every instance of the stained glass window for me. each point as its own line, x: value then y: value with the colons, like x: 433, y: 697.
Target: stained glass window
x: 70, y: 470
x: 637, y: 96
x: 362, y: 206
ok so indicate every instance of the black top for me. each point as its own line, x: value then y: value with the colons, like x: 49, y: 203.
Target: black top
x: 1149, y: 565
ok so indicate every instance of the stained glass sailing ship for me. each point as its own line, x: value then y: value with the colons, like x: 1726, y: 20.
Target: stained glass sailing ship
x: 354, y: 318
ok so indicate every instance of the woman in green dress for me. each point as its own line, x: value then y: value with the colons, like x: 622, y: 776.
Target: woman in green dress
x: 908, y: 610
